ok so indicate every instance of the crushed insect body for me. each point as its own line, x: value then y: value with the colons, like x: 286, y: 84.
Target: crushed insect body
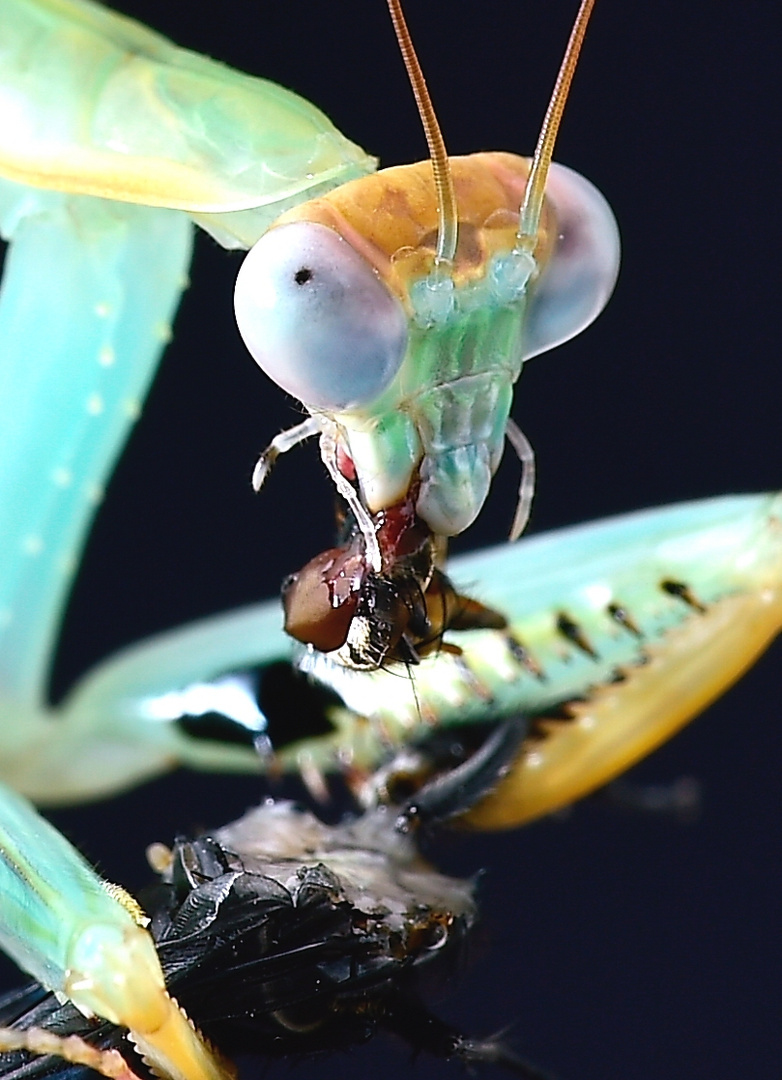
x: 283, y: 936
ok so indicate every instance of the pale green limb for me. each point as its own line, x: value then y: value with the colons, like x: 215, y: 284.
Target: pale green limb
x: 48, y: 891
x: 118, y: 727
x: 93, y: 102
x: 89, y: 292
x: 86, y: 940
x: 586, y: 606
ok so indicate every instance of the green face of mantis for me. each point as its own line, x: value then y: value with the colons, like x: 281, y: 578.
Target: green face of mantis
x: 400, y: 308
x: 409, y: 375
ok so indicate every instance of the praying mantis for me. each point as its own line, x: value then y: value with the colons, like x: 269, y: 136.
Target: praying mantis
x: 594, y: 484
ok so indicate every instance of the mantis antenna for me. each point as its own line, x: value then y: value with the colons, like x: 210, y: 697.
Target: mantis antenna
x: 447, y: 231
x: 529, y: 216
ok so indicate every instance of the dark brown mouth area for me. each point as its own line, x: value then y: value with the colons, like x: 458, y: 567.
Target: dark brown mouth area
x: 338, y: 602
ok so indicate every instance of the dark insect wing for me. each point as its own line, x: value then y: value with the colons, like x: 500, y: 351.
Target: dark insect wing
x: 258, y: 966
x: 32, y: 1006
x: 281, y: 935
x: 266, y: 969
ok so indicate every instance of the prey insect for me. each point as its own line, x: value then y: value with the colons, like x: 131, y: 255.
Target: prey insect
x: 280, y: 934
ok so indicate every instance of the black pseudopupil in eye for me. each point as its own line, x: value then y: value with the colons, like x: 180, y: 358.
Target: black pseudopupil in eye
x: 303, y: 275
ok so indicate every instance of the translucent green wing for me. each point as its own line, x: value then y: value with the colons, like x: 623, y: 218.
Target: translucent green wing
x: 95, y: 103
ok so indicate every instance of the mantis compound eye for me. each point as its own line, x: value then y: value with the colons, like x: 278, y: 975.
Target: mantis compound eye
x: 317, y: 318
x: 576, y: 284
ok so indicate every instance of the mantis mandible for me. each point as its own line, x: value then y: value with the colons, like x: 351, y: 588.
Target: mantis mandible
x: 606, y: 482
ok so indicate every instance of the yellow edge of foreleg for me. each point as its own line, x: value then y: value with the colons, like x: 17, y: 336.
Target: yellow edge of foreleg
x: 623, y: 721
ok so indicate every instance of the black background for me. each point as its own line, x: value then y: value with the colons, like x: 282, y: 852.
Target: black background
x: 620, y: 948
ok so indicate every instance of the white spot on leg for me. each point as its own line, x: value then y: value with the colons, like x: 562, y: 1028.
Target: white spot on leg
x: 32, y: 544
x: 132, y: 408
x: 102, y: 309
x: 106, y: 356
x: 598, y: 595
x: 164, y: 332
x: 95, y: 404
x: 62, y: 477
